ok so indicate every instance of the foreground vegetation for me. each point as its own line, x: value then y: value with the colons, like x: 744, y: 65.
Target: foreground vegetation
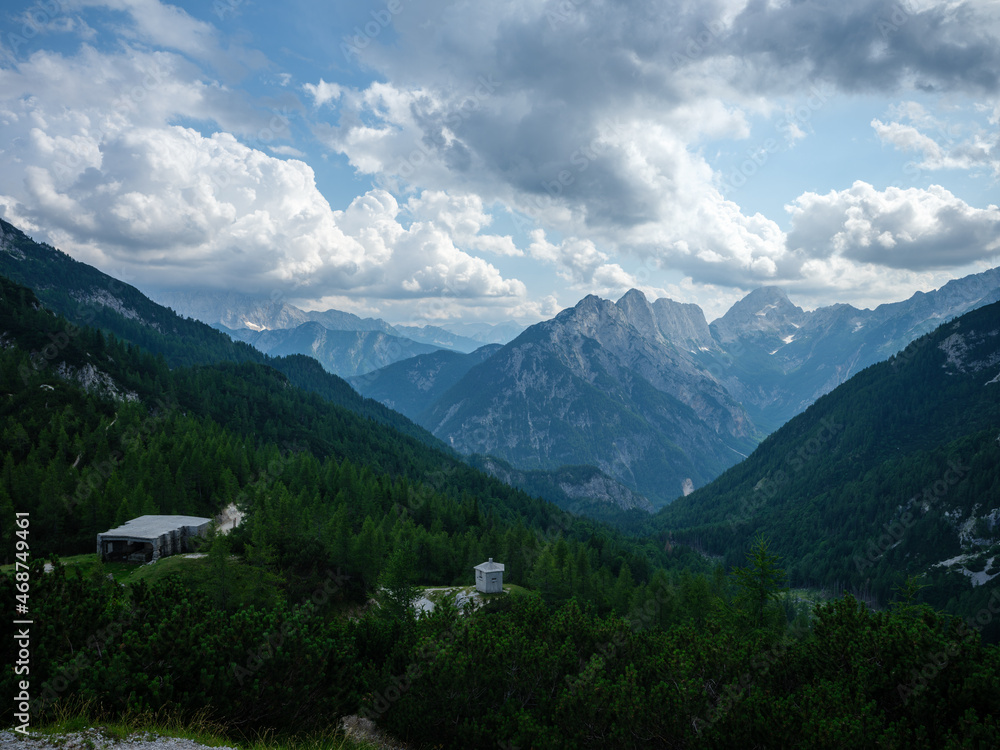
x: 699, y: 663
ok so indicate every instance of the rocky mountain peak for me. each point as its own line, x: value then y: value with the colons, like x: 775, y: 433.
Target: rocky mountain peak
x: 589, y: 316
x: 639, y: 313
x: 766, y: 310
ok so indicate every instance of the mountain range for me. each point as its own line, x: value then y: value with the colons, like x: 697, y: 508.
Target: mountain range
x: 651, y: 393
x: 342, y: 342
x: 86, y: 296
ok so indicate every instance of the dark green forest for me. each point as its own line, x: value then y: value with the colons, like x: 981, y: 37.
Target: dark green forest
x: 618, y: 639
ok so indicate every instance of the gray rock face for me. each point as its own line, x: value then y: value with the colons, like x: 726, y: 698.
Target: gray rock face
x: 683, y: 324
x: 578, y: 489
x: 95, y: 381
x: 640, y: 315
x: 603, y: 490
x: 587, y: 387
x: 657, y: 398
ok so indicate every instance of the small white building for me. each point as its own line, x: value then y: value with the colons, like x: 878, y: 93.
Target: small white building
x: 489, y: 577
x: 149, y: 538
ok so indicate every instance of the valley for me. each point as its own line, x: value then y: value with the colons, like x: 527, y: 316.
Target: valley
x: 869, y: 518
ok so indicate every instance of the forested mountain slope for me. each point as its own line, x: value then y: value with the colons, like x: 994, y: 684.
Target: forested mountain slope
x: 88, y: 297
x: 412, y: 385
x: 894, y: 473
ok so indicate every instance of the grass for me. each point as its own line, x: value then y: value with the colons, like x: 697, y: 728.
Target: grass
x: 194, y: 572
x: 87, y: 718
x: 89, y: 564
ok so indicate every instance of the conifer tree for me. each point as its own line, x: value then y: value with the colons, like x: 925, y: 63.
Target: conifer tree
x: 761, y: 579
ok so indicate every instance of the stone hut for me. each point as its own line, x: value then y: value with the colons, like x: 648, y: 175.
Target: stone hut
x: 149, y: 538
x: 489, y: 577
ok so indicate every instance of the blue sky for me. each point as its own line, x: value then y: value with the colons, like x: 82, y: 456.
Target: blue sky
x: 432, y: 161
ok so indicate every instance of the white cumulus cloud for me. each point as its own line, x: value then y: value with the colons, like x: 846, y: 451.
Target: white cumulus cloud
x: 115, y: 182
x: 897, y: 228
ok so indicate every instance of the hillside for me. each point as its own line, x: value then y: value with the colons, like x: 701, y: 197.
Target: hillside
x: 88, y: 297
x: 894, y: 473
x: 103, y: 431
x: 411, y: 385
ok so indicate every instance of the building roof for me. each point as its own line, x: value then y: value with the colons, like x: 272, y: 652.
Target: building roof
x: 151, y: 527
x: 490, y: 567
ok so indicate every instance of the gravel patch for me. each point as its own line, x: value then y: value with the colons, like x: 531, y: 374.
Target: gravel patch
x: 95, y: 739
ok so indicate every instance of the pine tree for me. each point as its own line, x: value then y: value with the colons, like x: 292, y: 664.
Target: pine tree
x: 396, y: 590
x: 761, y: 579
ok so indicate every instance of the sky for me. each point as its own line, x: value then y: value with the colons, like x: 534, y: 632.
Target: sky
x: 433, y: 161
